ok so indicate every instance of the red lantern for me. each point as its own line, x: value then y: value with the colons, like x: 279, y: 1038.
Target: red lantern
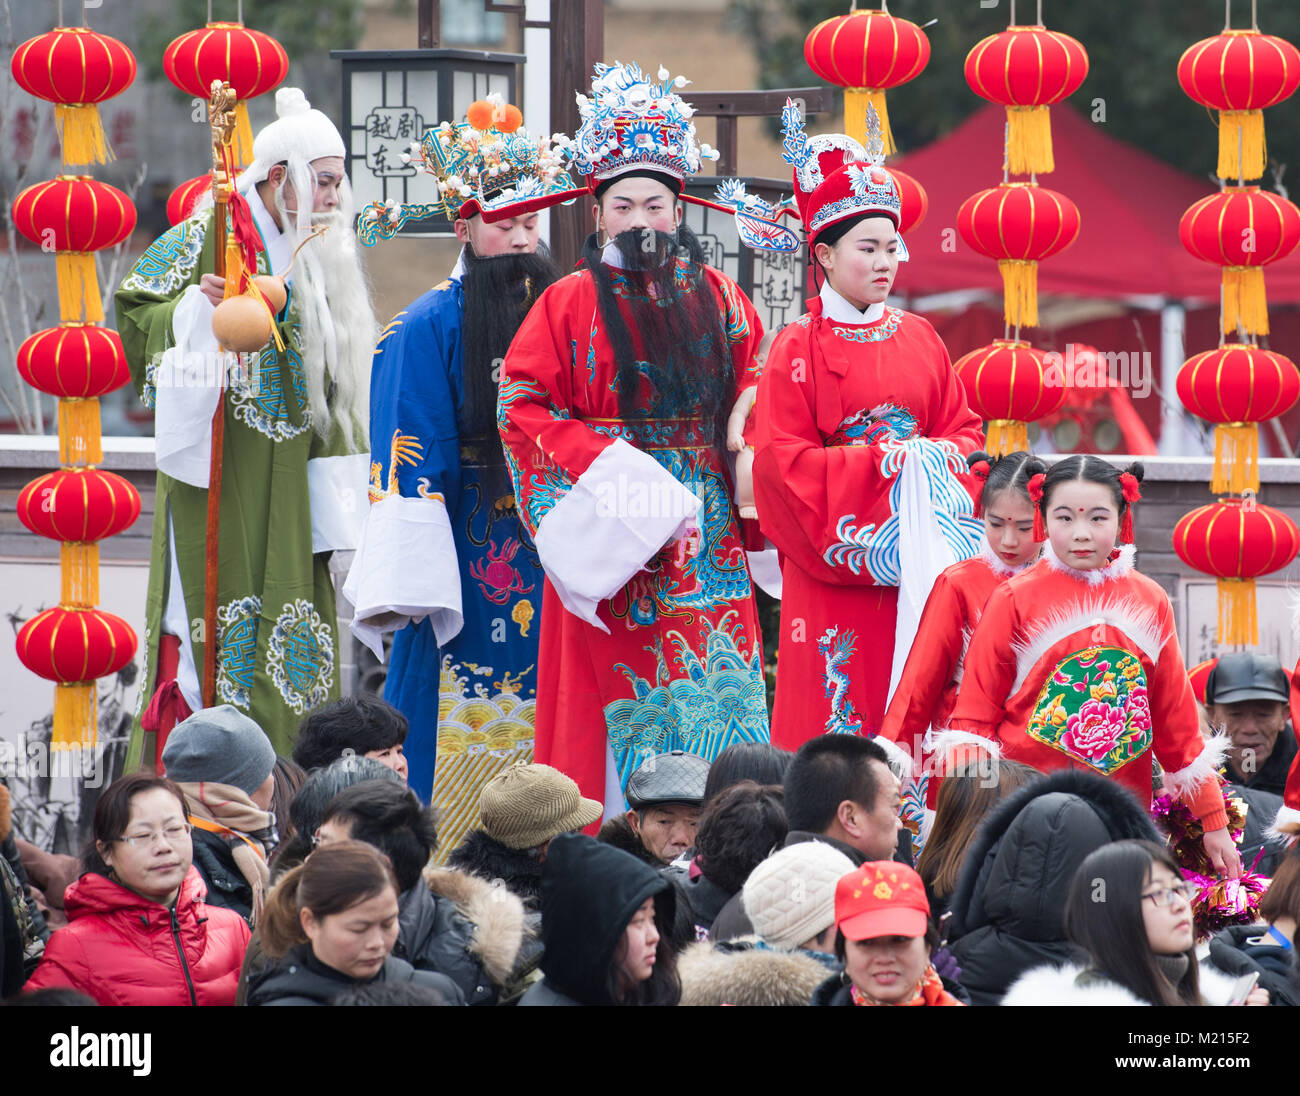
x: 1019, y: 224
x: 75, y: 361
x: 1239, y: 73
x: 78, y: 504
x: 181, y: 201
x: 1008, y: 385
x: 75, y: 68
x: 1237, y: 386
x: 866, y: 52
x: 1027, y: 69
x: 915, y: 201
x: 75, y: 215
x: 1236, y: 540
x: 251, y: 62
x: 1242, y: 229
x: 75, y: 645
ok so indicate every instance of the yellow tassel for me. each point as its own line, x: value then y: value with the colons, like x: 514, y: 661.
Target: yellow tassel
x: 75, y: 716
x: 1244, y: 300
x: 1237, y: 622
x: 78, y: 287
x: 243, y: 141
x: 1236, y: 458
x: 1020, y: 291
x: 81, y: 133
x: 79, y: 566
x: 856, y: 101
x: 1005, y: 436
x: 80, y: 440
x: 1242, y: 130
x: 1029, y: 143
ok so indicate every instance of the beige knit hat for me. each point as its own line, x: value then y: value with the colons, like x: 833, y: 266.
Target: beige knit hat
x: 527, y: 805
x: 790, y: 897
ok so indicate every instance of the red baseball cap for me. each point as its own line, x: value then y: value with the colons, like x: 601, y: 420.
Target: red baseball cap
x: 882, y: 898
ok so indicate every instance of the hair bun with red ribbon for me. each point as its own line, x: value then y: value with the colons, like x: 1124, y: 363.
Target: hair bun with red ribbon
x: 980, y: 469
x: 1035, y: 489
x: 1132, y: 491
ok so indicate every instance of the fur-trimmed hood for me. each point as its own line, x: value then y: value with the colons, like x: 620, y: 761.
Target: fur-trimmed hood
x: 487, y: 858
x: 1058, y: 986
x: 1010, y: 898
x: 746, y: 973
x: 494, y: 912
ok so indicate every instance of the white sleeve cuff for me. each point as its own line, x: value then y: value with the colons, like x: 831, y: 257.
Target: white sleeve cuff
x: 1286, y: 826
x: 405, y: 569
x: 623, y: 509
x: 339, y: 489
x: 1186, y: 782
x: 900, y: 760
x: 945, y: 743
x: 187, y: 383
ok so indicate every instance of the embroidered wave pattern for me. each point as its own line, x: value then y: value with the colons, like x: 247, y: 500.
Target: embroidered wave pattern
x: 883, y: 422
x: 168, y: 262
x: 261, y: 401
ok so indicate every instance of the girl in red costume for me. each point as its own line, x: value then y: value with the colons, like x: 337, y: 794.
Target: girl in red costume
x: 927, y: 691
x: 1075, y: 663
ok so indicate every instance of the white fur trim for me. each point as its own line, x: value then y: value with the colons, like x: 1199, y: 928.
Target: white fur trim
x: 967, y: 630
x: 1056, y: 986
x: 944, y: 742
x: 1286, y: 826
x: 901, y: 762
x: 1184, y: 782
x: 1128, y: 615
x: 999, y: 566
x: 1122, y: 566
x: 383, y: 586
x: 624, y: 508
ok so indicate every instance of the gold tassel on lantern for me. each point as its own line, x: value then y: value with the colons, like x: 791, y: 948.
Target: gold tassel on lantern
x: 1020, y: 291
x: 81, y: 134
x: 75, y: 715
x: 79, y: 567
x: 80, y: 439
x: 243, y: 140
x: 78, y: 287
x: 1005, y: 436
x: 1237, y: 623
x: 856, y: 101
x: 1241, y: 130
x: 1236, y: 458
x: 1029, y: 140
x: 1244, y: 301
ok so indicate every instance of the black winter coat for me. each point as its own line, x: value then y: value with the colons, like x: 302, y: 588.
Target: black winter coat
x: 489, y: 859
x: 302, y: 979
x: 1234, y: 953
x: 226, y: 884
x: 433, y: 935
x: 1008, y: 908
x: 617, y: 831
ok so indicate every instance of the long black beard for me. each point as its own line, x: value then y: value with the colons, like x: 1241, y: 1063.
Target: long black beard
x: 499, y: 291
x: 678, y: 324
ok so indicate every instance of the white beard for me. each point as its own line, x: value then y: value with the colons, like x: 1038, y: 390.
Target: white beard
x: 337, y: 328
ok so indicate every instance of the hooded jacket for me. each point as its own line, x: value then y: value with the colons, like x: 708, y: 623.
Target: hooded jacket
x: 590, y: 892
x: 123, y: 949
x: 302, y: 979
x: 489, y: 859
x: 1009, y: 904
x: 618, y: 832
x: 1055, y: 986
x: 748, y: 972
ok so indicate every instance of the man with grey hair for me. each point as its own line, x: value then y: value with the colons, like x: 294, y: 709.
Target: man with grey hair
x: 295, y: 455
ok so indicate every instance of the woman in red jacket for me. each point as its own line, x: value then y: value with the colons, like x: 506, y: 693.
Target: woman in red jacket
x: 139, y: 932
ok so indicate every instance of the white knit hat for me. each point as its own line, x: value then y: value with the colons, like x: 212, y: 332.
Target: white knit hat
x: 297, y: 128
x: 790, y: 897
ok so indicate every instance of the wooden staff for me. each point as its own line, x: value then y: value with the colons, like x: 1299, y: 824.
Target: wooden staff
x: 221, y: 119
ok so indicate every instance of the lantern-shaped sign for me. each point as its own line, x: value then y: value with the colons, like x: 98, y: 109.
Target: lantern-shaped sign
x: 181, y: 201
x: 1236, y: 540
x: 1018, y: 224
x: 1242, y: 229
x: 1239, y: 73
x: 1009, y: 385
x: 75, y: 68
x: 75, y: 215
x: 866, y: 52
x: 1237, y: 386
x: 251, y: 62
x: 1027, y: 69
x: 915, y: 201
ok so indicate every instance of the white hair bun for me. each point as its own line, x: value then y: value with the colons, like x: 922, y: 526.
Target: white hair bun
x: 290, y: 101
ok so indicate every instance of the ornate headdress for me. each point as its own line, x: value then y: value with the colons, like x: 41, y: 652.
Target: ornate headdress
x: 486, y: 165
x: 632, y: 123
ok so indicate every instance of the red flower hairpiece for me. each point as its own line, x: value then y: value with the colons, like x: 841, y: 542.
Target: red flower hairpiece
x: 1036, y: 486
x: 980, y: 469
x: 1132, y: 492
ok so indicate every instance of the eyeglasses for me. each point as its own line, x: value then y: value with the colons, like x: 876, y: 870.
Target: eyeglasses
x: 1165, y: 895
x: 173, y: 835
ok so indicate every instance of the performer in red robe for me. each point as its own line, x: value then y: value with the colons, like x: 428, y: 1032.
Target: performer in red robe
x: 1076, y: 664
x: 1286, y: 826
x: 860, y: 433
x: 613, y: 406
x: 927, y: 691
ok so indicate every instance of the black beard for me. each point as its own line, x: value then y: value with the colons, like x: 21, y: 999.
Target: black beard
x: 499, y: 291
x: 677, y: 320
